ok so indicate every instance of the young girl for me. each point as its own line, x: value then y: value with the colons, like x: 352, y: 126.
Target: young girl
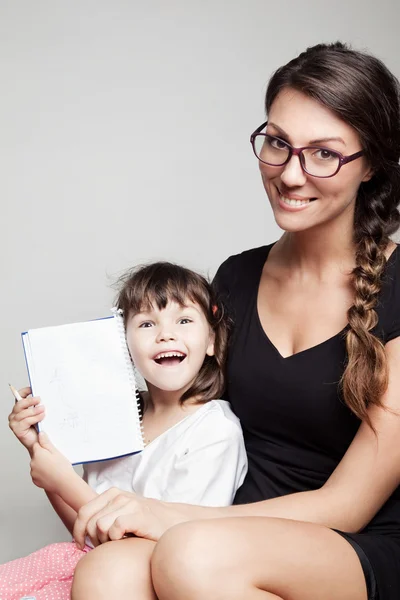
x: 177, y: 337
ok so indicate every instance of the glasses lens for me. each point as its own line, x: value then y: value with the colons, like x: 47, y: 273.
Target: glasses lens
x: 271, y: 150
x: 320, y: 162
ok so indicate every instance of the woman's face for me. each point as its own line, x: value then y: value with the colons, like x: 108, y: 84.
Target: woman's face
x: 300, y: 120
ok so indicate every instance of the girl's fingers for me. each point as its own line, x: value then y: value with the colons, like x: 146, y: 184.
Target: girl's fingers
x: 24, y: 392
x: 22, y: 427
x: 25, y: 403
x: 30, y: 421
x: 28, y: 412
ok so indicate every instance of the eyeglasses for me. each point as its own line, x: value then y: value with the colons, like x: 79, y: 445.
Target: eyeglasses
x: 316, y: 161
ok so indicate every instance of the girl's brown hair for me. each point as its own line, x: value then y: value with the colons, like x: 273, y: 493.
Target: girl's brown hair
x: 158, y: 284
x: 365, y: 94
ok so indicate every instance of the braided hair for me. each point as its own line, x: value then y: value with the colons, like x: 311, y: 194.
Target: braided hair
x: 359, y: 89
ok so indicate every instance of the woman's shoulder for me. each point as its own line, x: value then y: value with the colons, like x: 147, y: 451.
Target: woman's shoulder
x: 244, y: 260
x: 388, y: 308
x: 241, y: 268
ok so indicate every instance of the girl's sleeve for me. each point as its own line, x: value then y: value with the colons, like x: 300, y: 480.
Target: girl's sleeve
x: 212, y: 463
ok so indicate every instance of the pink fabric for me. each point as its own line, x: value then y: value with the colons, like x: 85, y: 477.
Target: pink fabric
x: 45, y: 574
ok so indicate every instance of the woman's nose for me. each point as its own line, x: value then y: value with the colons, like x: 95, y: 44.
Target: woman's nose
x: 293, y: 174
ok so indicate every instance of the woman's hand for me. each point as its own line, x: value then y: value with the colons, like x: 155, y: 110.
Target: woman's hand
x: 115, y: 514
x: 24, y: 416
x: 50, y: 469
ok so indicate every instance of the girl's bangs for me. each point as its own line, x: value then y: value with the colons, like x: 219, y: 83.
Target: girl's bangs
x: 143, y: 294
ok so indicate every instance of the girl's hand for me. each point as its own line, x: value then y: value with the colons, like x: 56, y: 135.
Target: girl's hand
x: 50, y: 469
x: 25, y: 414
x: 114, y: 514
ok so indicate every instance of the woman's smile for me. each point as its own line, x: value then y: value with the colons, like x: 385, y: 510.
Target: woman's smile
x: 293, y: 202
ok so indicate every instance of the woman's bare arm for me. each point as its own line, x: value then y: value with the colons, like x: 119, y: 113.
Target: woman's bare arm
x: 365, y: 478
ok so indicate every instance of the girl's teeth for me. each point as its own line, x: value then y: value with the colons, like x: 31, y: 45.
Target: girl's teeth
x: 291, y: 202
x: 169, y: 355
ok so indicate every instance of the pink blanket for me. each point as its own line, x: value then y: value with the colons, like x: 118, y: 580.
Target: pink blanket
x: 45, y: 574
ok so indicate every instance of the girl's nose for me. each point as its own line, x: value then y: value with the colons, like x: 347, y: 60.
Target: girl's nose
x: 166, y: 334
x: 292, y: 174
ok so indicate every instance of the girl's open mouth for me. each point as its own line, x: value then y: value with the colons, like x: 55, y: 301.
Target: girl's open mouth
x: 170, y: 359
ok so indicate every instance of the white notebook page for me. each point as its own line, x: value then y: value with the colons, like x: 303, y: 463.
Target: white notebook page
x: 84, y: 380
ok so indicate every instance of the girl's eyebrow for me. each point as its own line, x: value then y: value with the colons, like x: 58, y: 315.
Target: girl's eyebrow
x: 141, y: 314
x: 311, y: 142
x: 181, y: 307
x: 185, y: 307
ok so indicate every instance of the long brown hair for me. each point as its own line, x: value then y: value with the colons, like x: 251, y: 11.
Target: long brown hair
x: 365, y: 94
x: 162, y: 282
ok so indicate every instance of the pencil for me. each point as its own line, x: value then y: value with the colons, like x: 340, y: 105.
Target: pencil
x: 15, y: 393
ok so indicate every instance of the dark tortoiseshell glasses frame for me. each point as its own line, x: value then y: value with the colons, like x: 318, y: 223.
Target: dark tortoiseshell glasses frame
x: 342, y: 160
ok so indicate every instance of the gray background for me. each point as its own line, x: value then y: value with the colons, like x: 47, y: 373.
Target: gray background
x: 124, y: 131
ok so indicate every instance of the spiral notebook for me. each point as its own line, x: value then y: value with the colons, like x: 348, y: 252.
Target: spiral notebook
x: 85, y: 379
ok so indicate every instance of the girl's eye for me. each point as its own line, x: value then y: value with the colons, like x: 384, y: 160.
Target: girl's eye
x: 324, y: 154
x: 184, y: 321
x: 145, y: 324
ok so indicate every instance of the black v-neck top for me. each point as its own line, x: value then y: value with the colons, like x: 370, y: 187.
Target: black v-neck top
x: 295, y: 423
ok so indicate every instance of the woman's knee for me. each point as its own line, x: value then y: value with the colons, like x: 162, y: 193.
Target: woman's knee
x: 119, y: 569
x: 181, y: 558
x: 86, y: 580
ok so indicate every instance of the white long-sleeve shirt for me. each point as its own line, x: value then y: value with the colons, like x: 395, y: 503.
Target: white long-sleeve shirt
x: 200, y: 460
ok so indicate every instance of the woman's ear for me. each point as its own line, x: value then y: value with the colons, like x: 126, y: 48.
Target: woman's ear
x: 368, y: 175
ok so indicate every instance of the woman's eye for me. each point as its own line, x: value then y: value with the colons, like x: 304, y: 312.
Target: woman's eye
x: 277, y: 143
x: 324, y: 154
x: 184, y: 321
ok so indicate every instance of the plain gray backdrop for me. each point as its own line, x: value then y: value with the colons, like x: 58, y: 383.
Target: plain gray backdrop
x: 124, y: 137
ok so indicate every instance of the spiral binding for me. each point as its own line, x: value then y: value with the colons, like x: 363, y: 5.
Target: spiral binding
x: 117, y: 313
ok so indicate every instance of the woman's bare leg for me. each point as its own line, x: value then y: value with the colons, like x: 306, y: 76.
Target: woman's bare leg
x: 256, y: 559
x: 119, y: 569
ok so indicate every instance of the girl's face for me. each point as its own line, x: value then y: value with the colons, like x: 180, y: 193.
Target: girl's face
x: 302, y: 121
x: 168, y: 346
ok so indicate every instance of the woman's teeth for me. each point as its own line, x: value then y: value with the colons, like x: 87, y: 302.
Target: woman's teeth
x: 291, y: 202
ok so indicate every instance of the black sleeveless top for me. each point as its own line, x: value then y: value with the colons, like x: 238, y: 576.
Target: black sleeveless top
x: 295, y: 423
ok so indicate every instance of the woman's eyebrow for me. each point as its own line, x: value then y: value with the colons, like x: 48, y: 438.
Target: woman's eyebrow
x: 311, y: 142
x: 328, y: 139
x: 280, y: 130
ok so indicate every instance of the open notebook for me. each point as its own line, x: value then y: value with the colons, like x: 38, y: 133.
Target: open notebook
x: 85, y: 379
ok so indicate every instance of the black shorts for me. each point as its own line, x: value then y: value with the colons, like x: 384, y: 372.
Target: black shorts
x: 369, y: 575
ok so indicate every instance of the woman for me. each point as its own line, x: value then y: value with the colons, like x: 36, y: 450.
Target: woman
x: 313, y: 371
